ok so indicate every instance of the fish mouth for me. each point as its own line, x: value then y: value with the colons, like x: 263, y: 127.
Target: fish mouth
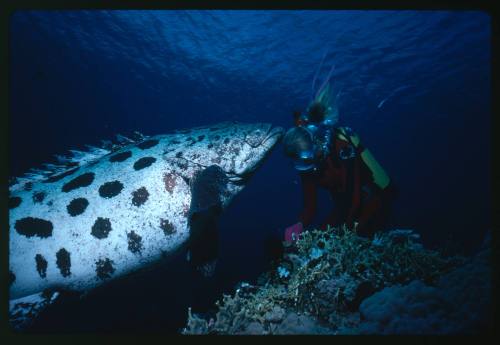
x: 274, y: 133
x: 272, y: 137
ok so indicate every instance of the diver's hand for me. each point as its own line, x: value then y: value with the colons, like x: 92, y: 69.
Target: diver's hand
x: 293, y: 232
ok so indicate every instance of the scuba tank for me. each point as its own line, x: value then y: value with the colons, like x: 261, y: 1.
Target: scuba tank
x: 380, y: 177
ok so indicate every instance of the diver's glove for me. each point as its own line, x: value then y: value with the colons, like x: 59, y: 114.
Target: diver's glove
x: 292, y: 233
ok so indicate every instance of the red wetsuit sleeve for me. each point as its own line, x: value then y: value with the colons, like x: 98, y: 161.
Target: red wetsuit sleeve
x: 309, y: 199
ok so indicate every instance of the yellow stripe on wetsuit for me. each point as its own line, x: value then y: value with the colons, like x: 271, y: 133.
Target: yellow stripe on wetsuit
x: 380, y: 177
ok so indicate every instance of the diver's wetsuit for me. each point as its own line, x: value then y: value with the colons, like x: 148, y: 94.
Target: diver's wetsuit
x: 352, y: 187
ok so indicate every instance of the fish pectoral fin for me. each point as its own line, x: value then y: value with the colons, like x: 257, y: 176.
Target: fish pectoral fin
x: 23, y: 311
x: 207, y: 269
x: 203, y: 242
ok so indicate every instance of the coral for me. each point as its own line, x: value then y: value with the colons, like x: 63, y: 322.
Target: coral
x: 275, y: 315
x: 336, y: 293
x: 283, y: 272
x: 399, y: 309
x: 318, y: 285
x: 458, y: 303
x: 253, y: 328
x: 300, y: 324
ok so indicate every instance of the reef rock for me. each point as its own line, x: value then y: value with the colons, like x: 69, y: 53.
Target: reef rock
x: 301, y: 324
x: 336, y: 282
x: 253, y: 328
x: 336, y: 293
x: 275, y: 315
x: 459, y: 303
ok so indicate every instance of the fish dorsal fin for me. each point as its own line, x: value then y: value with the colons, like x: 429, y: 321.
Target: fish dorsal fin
x: 75, y: 158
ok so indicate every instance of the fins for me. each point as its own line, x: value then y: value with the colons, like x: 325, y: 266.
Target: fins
x: 204, y: 243
x: 207, y: 187
x: 207, y: 269
x: 23, y: 311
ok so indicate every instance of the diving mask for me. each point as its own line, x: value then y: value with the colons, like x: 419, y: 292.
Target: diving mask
x: 306, y: 161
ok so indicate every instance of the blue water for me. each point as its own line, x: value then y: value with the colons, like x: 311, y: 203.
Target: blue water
x: 415, y: 86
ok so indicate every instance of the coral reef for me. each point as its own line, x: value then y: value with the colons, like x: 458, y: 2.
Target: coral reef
x: 458, y: 303
x: 321, y: 281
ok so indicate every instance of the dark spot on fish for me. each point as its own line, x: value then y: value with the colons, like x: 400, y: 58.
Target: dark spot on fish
x: 134, y: 242
x: 140, y: 196
x: 34, y: 227
x: 38, y: 197
x: 226, y: 141
x: 144, y: 162
x: 41, y: 265
x: 167, y: 227
x: 101, y: 228
x: 63, y: 262
x: 178, y: 154
x: 78, y: 182
x: 120, y: 157
x: 28, y: 186
x: 235, y: 150
x: 201, y: 137
x: 210, y: 145
x: 110, y: 189
x: 14, y: 201
x: 12, y: 278
x: 148, y: 144
x: 50, y: 203
x: 77, y: 206
x: 104, y: 268
x: 182, y: 164
x: 60, y: 176
x: 170, y: 182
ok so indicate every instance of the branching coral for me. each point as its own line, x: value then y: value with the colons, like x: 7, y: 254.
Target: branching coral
x: 325, y: 276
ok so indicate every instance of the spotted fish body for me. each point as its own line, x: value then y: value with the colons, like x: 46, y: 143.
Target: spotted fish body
x: 123, y: 210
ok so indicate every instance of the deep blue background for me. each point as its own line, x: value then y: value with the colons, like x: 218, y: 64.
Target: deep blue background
x: 77, y: 77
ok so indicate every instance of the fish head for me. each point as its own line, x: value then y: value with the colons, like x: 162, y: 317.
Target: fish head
x: 249, y: 145
x: 239, y: 149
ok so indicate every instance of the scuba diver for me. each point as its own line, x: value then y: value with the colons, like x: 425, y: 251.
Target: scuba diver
x: 331, y: 157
